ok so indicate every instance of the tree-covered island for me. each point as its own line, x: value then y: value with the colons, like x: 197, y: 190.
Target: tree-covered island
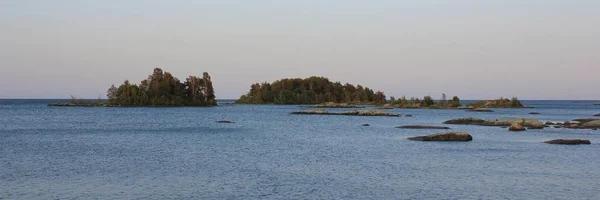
x: 159, y: 89
x: 312, y: 90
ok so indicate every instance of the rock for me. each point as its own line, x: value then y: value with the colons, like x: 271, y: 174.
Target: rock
x: 335, y: 105
x: 535, y: 125
x: 480, y: 110
x: 534, y: 113
x: 585, y: 120
x: 516, y: 127
x: 592, y: 124
x: 568, y: 141
x: 354, y: 113
x: 313, y: 112
x: 465, y: 107
x: 450, y: 136
x: 567, y: 123
x: 527, y: 122
x: 597, y: 115
x: 366, y: 125
x: 384, y: 108
x: 422, y: 127
x: 225, y: 122
x: 409, y: 115
x: 557, y: 126
x: 369, y: 113
x: 471, y: 121
x: 595, y: 129
x: 549, y: 123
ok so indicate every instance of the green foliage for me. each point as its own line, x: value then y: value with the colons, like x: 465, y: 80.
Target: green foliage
x: 427, y: 102
x: 312, y: 90
x: 162, y: 89
x: 498, y: 103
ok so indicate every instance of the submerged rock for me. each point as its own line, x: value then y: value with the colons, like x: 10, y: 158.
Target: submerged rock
x: 409, y: 115
x: 516, y: 127
x: 225, y: 122
x: 557, y: 126
x: 534, y: 113
x: 568, y: 141
x: 366, y: 125
x: 449, y: 136
x: 422, y: 127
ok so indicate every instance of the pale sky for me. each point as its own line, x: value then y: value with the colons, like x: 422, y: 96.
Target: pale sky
x: 475, y: 49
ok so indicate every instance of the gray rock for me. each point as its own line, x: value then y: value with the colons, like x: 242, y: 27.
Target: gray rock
x: 449, y: 136
x: 516, y: 127
x: 568, y: 141
x: 422, y: 127
x: 225, y: 122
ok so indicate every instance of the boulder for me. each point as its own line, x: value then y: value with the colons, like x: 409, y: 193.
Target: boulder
x: 516, y: 127
x: 597, y: 115
x: 557, y: 126
x: 409, y: 115
x: 549, y: 123
x: 225, y: 122
x: 449, y: 136
x: 535, y: 125
x: 480, y: 110
x: 568, y: 141
x: 471, y: 121
x: 534, y: 113
x: 422, y: 127
x: 366, y: 125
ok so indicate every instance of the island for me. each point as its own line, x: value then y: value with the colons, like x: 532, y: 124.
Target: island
x: 312, y: 90
x: 159, y: 89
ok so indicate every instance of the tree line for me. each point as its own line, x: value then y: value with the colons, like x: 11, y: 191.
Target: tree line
x: 312, y: 90
x: 163, y: 89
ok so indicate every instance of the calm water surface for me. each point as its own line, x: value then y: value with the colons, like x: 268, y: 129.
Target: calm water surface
x: 181, y: 153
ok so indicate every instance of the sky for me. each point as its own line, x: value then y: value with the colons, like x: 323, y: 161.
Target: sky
x: 474, y: 49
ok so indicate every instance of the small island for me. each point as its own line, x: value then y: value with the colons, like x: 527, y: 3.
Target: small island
x: 312, y: 90
x: 160, y: 89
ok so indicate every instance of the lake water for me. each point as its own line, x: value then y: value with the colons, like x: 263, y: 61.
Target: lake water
x: 181, y: 153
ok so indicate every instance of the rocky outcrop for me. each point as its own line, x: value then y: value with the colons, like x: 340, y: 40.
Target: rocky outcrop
x: 568, y: 141
x: 597, y: 115
x: 591, y: 124
x: 480, y: 110
x: 335, y: 105
x: 468, y: 121
x: 449, y: 136
x: 585, y: 120
x: 422, y: 127
x: 352, y: 113
x: 535, y: 125
x: 549, y: 123
x: 516, y: 127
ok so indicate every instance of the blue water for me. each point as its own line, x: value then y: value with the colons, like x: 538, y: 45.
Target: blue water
x: 181, y: 153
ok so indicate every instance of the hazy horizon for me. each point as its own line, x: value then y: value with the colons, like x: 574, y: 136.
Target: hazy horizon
x: 537, y: 49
